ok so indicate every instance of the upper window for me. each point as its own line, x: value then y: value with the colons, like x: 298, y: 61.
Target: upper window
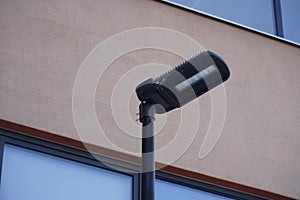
x: 258, y: 14
x: 275, y: 17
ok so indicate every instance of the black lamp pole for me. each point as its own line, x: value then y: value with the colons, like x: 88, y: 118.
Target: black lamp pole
x: 147, y: 112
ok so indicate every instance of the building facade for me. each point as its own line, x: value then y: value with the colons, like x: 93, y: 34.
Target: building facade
x: 64, y: 64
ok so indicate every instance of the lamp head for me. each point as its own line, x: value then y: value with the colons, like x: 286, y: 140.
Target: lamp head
x: 184, y: 82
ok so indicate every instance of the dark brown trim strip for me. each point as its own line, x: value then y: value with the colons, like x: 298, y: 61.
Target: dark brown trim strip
x: 107, y: 152
x: 59, y: 139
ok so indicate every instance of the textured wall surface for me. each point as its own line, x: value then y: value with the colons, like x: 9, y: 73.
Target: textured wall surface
x: 43, y: 43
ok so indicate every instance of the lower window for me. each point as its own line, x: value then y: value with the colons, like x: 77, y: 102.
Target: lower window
x: 169, y: 190
x: 32, y: 175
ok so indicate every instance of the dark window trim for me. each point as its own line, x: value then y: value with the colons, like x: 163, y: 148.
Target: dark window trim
x: 278, y: 24
x: 278, y: 18
x: 60, y: 143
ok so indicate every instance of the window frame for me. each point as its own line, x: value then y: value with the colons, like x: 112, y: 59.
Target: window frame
x: 278, y: 18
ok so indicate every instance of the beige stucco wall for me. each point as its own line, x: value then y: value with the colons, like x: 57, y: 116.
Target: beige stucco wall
x: 43, y: 43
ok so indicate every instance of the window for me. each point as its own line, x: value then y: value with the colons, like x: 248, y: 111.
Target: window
x: 185, y: 188
x: 180, y: 192
x: 257, y: 14
x: 33, y: 175
x: 276, y: 17
x: 34, y: 169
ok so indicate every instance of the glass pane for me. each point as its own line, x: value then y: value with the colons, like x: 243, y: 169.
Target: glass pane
x: 33, y: 175
x: 257, y: 14
x: 291, y: 19
x: 167, y: 190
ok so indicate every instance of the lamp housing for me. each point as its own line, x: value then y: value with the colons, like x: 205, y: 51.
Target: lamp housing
x: 184, y: 82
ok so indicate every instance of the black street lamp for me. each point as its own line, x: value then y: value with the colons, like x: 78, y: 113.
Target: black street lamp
x: 171, y: 90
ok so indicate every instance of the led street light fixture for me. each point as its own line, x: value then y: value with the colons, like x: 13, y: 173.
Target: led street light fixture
x: 184, y: 82
x: 170, y: 90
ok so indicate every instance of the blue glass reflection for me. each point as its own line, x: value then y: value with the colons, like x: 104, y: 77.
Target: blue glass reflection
x: 166, y: 190
x: 291, y: 19
x: 30, y: 175
x: 257, y: 14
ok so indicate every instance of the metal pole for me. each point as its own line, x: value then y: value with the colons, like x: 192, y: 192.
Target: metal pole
x: 147, y: 112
